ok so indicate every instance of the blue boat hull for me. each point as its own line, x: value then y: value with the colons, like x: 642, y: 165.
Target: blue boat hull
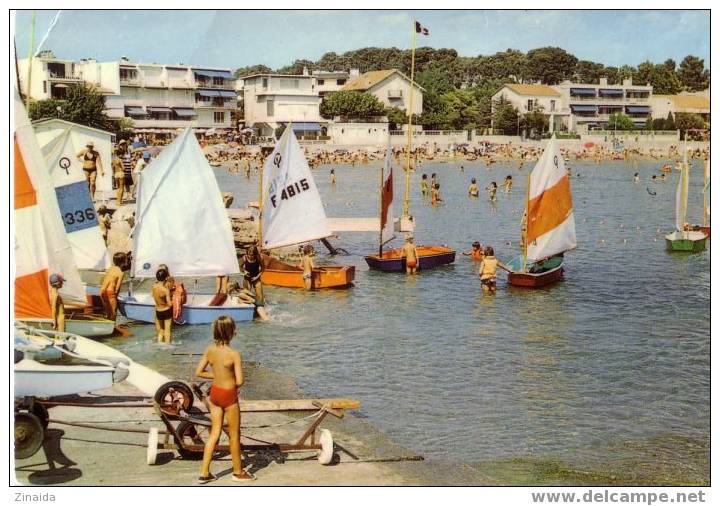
x: 192, y: 314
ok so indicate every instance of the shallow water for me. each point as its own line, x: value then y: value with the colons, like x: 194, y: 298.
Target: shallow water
x: 614, y: 358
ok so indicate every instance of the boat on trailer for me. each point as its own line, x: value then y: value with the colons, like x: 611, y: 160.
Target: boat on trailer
x: 548, y: 229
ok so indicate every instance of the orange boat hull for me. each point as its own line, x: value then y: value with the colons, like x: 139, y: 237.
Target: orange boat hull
x: 277, y: 273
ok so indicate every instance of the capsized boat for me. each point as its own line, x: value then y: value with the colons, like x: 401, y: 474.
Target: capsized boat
x: 549, y: 223
x: 684, y: 239
x: 41, y: 239
x: 181, y: 222
x: 291, y: 212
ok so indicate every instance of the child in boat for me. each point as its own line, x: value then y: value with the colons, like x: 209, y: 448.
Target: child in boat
x: 435, y: 194
x: 242, y: 296
x: 508, y: 183
x: 424, y: 188
x: 56, y: 302
x: 306, y: 264
x: 110, y: 286
x: 163, y: 307
x: 488, y: 270
x: 226, y: 375
x: 476, y: 254
x: 473, y: 188
x: 410, y: 252
x: 492, y: 191
x: 252, y: 268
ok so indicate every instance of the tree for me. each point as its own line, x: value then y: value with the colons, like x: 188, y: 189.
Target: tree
x: 688, y: 121
x: 693, y: 75
x: 297, y: 67
x: 663, y: 80
x: 396, y: 117
x: 588, y: 72
x: 251, y: 70
x: 279, y: 131
x: 669, y: 123
x: 618, y: 121
x: 84, y: 105
x: 535, y: 122
x: 505, y: 117
x: 351, y: 104
x: 550, y: 65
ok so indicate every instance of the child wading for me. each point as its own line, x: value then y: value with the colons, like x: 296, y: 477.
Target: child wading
x: 226, y: 375
x: 409, y: 251
x: 56, y: 303
x: 488, y: 270
x: 306, y: 263
x: 110, y: 286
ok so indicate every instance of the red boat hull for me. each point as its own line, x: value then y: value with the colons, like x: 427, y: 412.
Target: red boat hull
x: 428, y: 256
x: 535, y: 280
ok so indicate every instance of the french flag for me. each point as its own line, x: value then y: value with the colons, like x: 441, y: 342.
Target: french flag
x: 421, y: 29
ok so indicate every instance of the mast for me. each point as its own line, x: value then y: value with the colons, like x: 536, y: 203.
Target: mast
x: 382, y: 180
x: 406, y: 200
x: 30, y: 58
x: 684, y: 175
x: 527, y: 222
x: 706, y: 178
x: 261, y: 171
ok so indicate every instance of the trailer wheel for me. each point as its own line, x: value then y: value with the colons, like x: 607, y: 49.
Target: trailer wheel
x: 41, y: 412
x: 29, y: 435
x: 325, y: 455
x: 174, y: 395
x: 152, y: 446
x: 187, y: 433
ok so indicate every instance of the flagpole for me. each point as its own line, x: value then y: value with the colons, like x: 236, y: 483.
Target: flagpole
x: 406, y: 201
x: 30, y: 58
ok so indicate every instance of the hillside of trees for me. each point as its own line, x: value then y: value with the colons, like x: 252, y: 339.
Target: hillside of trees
x: 458, y: 89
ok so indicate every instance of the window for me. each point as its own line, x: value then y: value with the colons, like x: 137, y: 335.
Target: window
x: 44, y: 86
x: 552, y: 105
x: 321, y: 82
x: 341, y: 81
x: 219, y: 117
x: 530, y: 105
x: 128, y: 74
x: 270, y: 108
x: 218, y: 81
x: 264, y: 82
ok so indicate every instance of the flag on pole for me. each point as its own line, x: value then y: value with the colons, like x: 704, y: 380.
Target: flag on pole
x: 421, y: 29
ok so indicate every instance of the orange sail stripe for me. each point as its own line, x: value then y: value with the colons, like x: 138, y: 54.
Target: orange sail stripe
x: 24, y: 191
x: 32, y: 298
x: 549, y: 209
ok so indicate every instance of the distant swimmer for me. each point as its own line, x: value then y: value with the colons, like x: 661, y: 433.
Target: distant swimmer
x: 424, y: 188
x: 492, y: 191
x: 473, y: 189
x: 476, y: 253
x: 636, y: 177
x: 333, y: 180
x: 435, y: 195
x: 651, y: 192
x: 508, y: 183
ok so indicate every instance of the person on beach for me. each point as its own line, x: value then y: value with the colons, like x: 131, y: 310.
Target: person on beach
x: 433, y: 180
x: 476, y: 252
x: 104, y: 221
x: 57, y: 306
x: 110, y: 286
x: 424, y: 188
x: 307, y: 266
x: 435, y: 195
x: 332, y: 176
x: 227, y: 375
x: 137, y: 169
x: 252, y: 268
x: 473, y: 188
x: 636, y: 177
x: 508, y: 183
x: 91, y: 163
x: 163, y: 307
x: 239, y: 295
x: 118, y: 176
x: 410, y: 253
x: 492, y: 191
x: 488, y: 270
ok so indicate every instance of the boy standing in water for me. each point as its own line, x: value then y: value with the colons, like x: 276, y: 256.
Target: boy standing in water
x: 424, y: 188
x: 492, y: 191
x: 488, y: 270
x: 163, y: 307
x: 56, y: 303
x: 473, y: 189
x: 332, y: 176
x: 307, y: 266
x: 435, y: 195
x: 110, y: 286
x: 409, y: 251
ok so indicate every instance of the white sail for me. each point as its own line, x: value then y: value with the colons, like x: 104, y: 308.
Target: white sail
x: 681, y: 197
x: 550, y: 220
x: 292, y: 210
x: 76, y: 206
x: 58, y: 255
x: 180, y: 218
x: 386, y: 199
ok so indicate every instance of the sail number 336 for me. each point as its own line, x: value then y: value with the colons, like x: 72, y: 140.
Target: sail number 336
x: 79, y: 216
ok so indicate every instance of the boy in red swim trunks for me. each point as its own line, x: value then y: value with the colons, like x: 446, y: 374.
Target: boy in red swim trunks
x: 409, y: 251
x: 111, y: 285
x: 226, y: 375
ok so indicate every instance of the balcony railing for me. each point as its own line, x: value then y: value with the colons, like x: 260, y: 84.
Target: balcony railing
x: 211, y: 85
x: 129, y: 81
x: 229, y: 104
x: 66, y: 77
x: 395, y: 94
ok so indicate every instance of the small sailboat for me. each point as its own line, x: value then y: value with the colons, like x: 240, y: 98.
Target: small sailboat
x: 291, y: 212
x: 549, y: 228
x: 684, y: 239
x: 42, y: 246
x: 705, y: 227
x: 181, y: 222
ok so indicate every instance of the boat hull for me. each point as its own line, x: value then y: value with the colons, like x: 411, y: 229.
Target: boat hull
x: 88, y: 327
x: 686, y: 242
x: 429, y: 258
x: 139, y: 308
x: 41, y: 380
x: 524, y: 277
x: 277, y: 273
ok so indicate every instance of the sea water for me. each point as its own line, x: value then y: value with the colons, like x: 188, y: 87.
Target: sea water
x: 609, y: 368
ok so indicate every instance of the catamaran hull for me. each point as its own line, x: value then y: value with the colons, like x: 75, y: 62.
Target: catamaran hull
x: 191, y: 314
x: 688, y: 242
x: 536, y: 280
x: 429, y: 258
x: 277, y: 273
x: 40, y: 380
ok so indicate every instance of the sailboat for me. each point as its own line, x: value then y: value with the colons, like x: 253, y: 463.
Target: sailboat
x: 41, y: 243
x: 181, y: 222
x: 429, y: 256
x: 684, y: 239
x: 549, y: 229
x: 291, y: 212
x: 705, y: 227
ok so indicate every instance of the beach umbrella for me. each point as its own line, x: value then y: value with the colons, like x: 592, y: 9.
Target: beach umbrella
x: 589, y: 144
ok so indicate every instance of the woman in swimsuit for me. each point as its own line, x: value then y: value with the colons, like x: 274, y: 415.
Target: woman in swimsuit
x: 252, y: 266
x: 227, y: 375
x: 163, y: 307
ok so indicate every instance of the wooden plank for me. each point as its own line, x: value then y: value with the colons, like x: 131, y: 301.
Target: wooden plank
x: 260, y: 406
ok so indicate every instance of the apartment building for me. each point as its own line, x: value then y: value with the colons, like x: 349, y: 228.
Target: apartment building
x: 271, y: 100
x: 534, y: 97
x: 688, y: 103
x: 328, y: 82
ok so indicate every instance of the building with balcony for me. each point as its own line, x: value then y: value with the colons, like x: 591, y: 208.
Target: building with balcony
x: 271, y: 100
x: 535, y: 97
x: 391, y: 87
x: 329, y: 82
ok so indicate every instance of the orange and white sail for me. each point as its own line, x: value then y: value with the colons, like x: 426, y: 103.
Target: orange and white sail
x: 41, y: 246
x: 550, y: 220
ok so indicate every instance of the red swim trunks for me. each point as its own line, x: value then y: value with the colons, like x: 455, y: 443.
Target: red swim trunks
x: 411, y: 264
x: 223, y: 397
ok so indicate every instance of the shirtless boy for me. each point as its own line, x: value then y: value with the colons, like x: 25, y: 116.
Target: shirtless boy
x: 110, y: 286
x: 409, y: 251
x: 306, y: 263
x: 163, y: 307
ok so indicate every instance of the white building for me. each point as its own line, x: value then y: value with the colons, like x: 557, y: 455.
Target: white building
x: 391, y: 87
x: 271, y: 100
x: 696, y: 103
x: 532, y: 97
x: 328, y: 82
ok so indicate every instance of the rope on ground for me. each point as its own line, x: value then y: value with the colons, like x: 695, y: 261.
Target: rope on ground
x: 111, y: 429
x: 283, y: 424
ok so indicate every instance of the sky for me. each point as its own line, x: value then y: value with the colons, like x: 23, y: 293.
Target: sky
x: 276, y: 38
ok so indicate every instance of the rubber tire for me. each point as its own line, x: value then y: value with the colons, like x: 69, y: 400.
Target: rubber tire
x: 152, y: 445
x: 42, y: 413
x: 178, y: 387
x: 33, y: 435
x: 325, y: 456
x: 186, y: 428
